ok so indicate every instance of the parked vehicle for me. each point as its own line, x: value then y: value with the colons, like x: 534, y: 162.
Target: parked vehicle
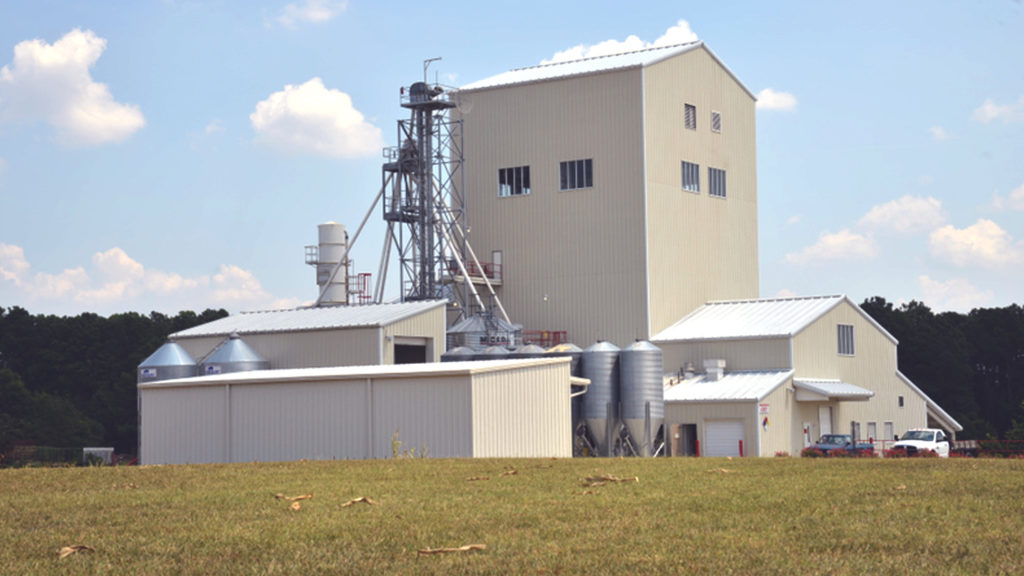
x: 829, y: 442
x: 921, y: 439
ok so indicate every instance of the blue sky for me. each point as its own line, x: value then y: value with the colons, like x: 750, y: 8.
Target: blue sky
x: 178, y: 155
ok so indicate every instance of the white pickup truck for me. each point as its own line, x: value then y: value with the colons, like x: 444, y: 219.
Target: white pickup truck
x: 921, y: 439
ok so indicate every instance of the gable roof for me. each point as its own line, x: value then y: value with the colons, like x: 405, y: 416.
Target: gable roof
x: 595, y: 65
x: 749, y: 319
x: 732, y: 387
x: 305, y: 319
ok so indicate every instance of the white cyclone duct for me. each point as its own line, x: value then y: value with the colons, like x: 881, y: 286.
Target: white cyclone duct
x: 332, y: 248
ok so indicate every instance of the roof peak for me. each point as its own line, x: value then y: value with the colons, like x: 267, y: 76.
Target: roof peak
x: 592, y: 58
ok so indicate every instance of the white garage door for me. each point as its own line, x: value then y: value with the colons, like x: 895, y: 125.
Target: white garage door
x: 722, y: 437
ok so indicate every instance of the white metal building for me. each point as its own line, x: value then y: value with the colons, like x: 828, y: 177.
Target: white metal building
x: 778, y: 373
x: 614, y: 194
x: 501, y: 408
x: 398, y: 333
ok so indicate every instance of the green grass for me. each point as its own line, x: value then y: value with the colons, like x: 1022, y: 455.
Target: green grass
x: 684, y: 516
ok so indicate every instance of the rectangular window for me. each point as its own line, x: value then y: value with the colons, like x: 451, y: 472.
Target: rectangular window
x: 716, y: 121
x: 576, y: 174
x: 846, y: 347
x: 691, y: 176
x: 716, y: 179
x: 514, y: 181
x: 690, y: 116
x: 872, y: 431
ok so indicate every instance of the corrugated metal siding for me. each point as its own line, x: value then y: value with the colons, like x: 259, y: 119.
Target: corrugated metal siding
x: 782, y: 420
x: 305, y: 349
x: 699, y: 414
x: 584, y: 249
x: 761, y: 318
x: 430, y: 325
x: 766, y: 354
x: 873, y: 366
x: 523, y: 413
x: 313, y: 420
x: 431, y: 415
x: 184, y: 425
x: 700, y: 247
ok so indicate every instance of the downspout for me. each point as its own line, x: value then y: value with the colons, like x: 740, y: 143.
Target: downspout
x: 643, y: 169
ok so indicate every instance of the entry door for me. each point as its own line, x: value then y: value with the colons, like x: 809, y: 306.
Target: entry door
x: 825, y: 419
x: 722, y: 437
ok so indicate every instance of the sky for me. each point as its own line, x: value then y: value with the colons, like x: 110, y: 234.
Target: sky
x: 167, y: 155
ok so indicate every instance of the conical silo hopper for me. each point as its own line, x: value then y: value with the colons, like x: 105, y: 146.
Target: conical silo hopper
x: 600, y: 365
x: 640, y: 385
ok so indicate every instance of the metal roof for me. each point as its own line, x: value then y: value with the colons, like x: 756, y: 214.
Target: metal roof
x: 284, y: 376
x: 170, y: 354
x: 834, y: 389
x: 764, y: 318
x: 732, y: 387
x: 595, y: 65
x: 302, y: 319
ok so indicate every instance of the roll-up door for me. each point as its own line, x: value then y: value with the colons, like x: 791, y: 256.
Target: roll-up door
x: 722, y: 437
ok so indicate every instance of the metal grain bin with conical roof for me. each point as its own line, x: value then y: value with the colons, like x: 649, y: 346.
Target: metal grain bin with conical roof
x: 528, y: 351
x: 600, y: 365
x: 169, y: 362
x: 458, y: 354
x: 492, y: 353
x: 233, y: 355
x: 640, y: 386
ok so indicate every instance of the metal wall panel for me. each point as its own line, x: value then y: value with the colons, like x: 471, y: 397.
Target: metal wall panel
x: 314, y: 420
x: 582, y: 249
x: 184, y: 425
x: 429, y: 415
x: 523, y: 413
x: 304, y: 349
x: 429, y: 325
x: 700, y: 247
x: 873, y: 366
x: 765, y: 354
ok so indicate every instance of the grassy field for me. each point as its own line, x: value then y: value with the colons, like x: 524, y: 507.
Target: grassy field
x: 683, y: 516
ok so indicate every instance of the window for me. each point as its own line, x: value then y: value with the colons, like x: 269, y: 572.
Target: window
x: 691, y: 176
x: 872, y: 431
x: 514, y: 181
x: 846, y: 347
x: 690, y: 116
x: 716, y: 121
x: 716, y: 178
x: 899, y: 401
x: 576, y: 174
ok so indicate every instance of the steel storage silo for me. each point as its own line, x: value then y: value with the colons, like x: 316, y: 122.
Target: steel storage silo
x: 600, y: 365
x: 527, y: 351
x: 233, y: 355
x: 458, y: 354
x: 169, y: 362
x: 640, y: 387
x: 492, y: 353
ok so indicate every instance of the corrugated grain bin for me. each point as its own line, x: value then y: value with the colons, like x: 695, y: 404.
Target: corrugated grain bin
x: 640, y: 385
x: 169, y: 362
x: 233, y: 355
x: 600, y: 365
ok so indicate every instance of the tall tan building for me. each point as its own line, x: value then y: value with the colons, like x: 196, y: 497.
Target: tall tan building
x: 615, y: 194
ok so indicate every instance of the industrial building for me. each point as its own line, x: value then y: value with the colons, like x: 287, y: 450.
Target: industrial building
x: 614, y: 194
x: 501, y: 408
x: 399, y: 333
x: 609, y: 199
x: 776, y: 374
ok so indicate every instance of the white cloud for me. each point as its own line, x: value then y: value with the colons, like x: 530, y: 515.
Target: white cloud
x: 678, y: 34
x: 311, y: 118
x: 939, y: 133
x: 3, y: 165
x: 956, y: 295
x: 769, y: 99
x: 843, y: 245
x: 793, y: 220
x: 983, y: 244
x: 1014, y: 201
x: 906, y: 215
x: 52, y: 83
x: 989, y: 111
x: 785, y: 293
x: 310, y: 11
x: 116, y: 282
x: 214, y: 127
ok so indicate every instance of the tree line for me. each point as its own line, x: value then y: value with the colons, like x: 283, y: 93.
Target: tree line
x: 971, y: 364
x: 70, y: 381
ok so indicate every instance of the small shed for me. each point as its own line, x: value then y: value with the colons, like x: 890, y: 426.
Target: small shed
x: 399, y: 333
x: 501, y: 408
